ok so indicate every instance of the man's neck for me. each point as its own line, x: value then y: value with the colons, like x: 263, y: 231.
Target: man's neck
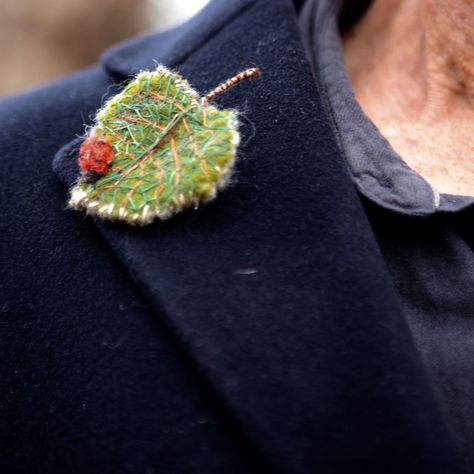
x: 411, y: 63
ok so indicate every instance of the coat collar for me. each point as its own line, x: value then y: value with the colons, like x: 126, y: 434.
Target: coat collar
x: 174, y: 46
x: 277, y: 291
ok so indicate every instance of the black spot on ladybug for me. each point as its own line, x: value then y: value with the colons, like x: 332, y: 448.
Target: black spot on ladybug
x: 91, y: 176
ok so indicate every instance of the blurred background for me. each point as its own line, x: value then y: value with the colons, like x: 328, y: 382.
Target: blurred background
x: 41, y: 40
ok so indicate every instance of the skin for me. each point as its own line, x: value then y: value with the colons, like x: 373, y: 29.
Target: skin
x: 411, y: 64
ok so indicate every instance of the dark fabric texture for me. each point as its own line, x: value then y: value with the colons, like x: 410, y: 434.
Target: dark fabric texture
x: 431, y: 261
x: 152, y: 349
x: 426, y: 237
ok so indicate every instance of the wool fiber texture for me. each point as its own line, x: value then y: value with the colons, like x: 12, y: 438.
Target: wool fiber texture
x: 172, y: 151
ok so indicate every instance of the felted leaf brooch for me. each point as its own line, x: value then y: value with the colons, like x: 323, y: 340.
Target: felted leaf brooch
x: 155, y: 149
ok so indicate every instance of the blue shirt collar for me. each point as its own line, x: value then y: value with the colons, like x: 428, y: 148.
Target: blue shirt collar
x: 378, y: 172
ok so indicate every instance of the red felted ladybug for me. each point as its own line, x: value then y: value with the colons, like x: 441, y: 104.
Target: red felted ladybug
x: 95, y: 156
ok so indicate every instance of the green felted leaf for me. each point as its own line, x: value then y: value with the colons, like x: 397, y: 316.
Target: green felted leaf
x: 172, y: 150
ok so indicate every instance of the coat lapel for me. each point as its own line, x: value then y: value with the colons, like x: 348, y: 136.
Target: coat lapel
x: 277, y: 290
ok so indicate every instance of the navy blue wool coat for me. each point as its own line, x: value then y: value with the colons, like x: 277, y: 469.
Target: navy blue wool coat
x: 260, y: 333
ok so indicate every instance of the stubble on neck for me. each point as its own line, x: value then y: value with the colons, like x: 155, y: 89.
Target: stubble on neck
x: 411, y: 64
